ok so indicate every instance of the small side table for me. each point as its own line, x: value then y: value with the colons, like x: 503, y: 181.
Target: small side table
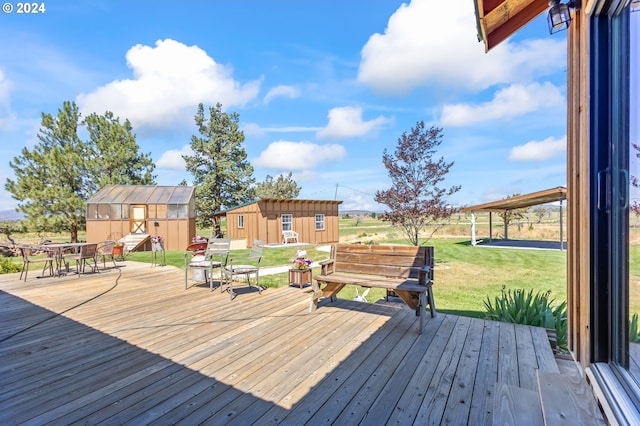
x: 300, y: 277
x: 155, y: 248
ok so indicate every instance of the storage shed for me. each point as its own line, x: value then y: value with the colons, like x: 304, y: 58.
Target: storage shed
x: 116, y: 211
x: 315, y: 221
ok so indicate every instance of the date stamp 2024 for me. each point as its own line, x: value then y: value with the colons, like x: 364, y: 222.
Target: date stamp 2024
x: 24, y: 8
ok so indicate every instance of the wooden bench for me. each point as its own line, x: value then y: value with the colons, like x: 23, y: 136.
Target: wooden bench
x: 289, y: 235
x: 407, y: 271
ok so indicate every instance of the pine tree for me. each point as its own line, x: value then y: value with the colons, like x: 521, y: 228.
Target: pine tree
x: 221, y: 173
x: 114, y: 155
x: 52, y: 182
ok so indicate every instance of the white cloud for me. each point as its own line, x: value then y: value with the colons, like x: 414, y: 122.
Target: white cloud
x: 346, y: 122
x: 509, y: 102
x: 281, y: 91
x: 172, y: 159
x: 255, y: 129
x: 169, y: 80
x: 285, y: 155
x: 539, y: 150
x: 434, y: 43
x: 7, y: 116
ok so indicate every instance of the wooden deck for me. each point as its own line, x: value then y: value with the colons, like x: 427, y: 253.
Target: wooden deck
x: 135, y: 347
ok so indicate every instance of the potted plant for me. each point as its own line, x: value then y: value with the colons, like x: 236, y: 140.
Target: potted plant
x: 118, y: 249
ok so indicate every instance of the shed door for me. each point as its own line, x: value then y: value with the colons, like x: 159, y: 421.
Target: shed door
x: 138, y: 219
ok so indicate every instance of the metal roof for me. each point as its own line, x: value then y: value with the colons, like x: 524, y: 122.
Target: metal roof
x: 294, y: 200
x: 143, y: 194
x: 527, y: 200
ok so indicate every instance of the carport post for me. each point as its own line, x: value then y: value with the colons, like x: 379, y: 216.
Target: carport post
x: 473, y: 229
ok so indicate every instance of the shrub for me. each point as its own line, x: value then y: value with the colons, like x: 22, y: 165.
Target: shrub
x: 520, y: 307
x: 7, y: 266
x: 634, y: 336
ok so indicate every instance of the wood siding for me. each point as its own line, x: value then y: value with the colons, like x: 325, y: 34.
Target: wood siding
x: 177, y: 233
x: 578, y: 215
x: 263, y: 221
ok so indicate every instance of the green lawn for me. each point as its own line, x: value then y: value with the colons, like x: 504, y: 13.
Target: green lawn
x: 464, y: 275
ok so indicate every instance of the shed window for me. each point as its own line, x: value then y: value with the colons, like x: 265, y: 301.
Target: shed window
x: 177, y: 211
x: 319, y: 222
x: 287, y: 222
x: 240, y: 221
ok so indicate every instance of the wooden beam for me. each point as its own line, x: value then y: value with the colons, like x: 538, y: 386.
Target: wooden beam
x: 503, y: 13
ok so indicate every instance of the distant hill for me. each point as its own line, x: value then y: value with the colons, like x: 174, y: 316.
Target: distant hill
x: 11, y: 215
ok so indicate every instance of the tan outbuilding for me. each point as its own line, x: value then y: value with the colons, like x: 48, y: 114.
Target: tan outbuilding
x: 116, y: 211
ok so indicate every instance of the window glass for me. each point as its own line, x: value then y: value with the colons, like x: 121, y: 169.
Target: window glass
x: 104, y: 211
x: 633, y: 232
x: 92, y: 211
x: 116, y: 211
x: 287, y: 222
x: 319, y: 222
x: 240, y: 221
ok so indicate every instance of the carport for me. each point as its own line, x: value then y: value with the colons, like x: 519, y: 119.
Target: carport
x: 521, y: 201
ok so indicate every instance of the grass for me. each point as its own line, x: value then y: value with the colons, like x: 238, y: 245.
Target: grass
x: 465, y: 276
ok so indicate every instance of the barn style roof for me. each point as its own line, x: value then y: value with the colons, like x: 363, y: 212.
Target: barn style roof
x: 527, y: 200
x: 498, y: 19
x: 143, y: 194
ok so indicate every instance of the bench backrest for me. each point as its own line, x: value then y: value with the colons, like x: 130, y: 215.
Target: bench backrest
x: 383, y: 260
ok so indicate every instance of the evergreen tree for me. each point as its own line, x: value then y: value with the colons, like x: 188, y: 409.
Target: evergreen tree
x: 415, y: 200
x: 52, y: 181
x: 221, y: 173
x: 115, y: 156
x: 55, y: 178
x: 284, y: 188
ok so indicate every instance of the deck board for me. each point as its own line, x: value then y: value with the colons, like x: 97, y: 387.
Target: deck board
x: 131, y: 345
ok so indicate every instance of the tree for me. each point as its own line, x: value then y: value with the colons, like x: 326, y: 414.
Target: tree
x: 114, y: 155
x: 508, y: 216
x: 51, y: 180
x: 283, y: 188
x: 221, y: 173
x: 415, y: 200
x: 55, y: 178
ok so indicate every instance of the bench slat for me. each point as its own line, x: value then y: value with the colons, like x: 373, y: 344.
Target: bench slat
x: 364, y: 281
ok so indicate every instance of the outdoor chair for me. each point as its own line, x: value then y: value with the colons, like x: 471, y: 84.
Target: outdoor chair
x: 86, y: 255
x: 245, y: 266
x: 289, y: 235
x: 214, y: 256
x: 105, y: 250
x: 27, y: 259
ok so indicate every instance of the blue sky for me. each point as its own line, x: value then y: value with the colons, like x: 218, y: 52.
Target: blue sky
x: 321, y: 87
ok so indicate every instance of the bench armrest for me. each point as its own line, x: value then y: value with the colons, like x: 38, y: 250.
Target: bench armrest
x: 424, y: 275
x: 327, y: 266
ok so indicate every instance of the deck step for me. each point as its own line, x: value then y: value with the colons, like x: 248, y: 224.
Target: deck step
x: 567, y: 399
x: 512, y: 404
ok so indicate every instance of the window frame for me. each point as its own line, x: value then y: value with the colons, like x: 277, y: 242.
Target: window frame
x: 240, y: 221
x: 321, y: 221
x: 283, y: 222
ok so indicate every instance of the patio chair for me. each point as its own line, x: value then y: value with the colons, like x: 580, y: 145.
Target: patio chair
x: 27, y: 259
x: 214, y: 256
x: 247, y: 266
x: 104, y: 250
x: 86, y: 255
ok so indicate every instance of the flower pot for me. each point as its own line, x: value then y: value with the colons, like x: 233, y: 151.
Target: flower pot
x: 300, y: 277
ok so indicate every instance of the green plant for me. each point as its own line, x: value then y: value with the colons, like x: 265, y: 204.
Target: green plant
x: 521, y: 307
x: 7, y: 266
x: 634, y: 335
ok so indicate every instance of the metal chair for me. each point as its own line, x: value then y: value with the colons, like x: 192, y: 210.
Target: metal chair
x: 26, y: 253
x: 214, y: 256
x: 104, y: 250
x: 251, y: 266
x: 86, y: 254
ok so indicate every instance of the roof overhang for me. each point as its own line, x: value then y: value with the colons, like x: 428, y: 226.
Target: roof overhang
x: 521, y: 201
x: 499, y: 19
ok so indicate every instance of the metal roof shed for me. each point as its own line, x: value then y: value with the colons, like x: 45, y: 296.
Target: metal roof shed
x: 118, y: 210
